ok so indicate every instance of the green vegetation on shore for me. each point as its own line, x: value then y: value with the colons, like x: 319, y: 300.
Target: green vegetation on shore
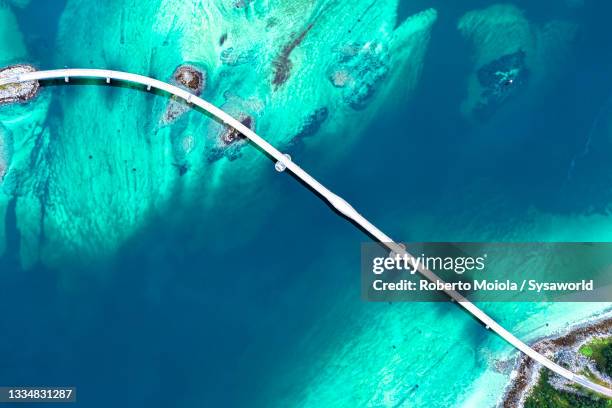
x: 600, y: 351
x: 545, y: 395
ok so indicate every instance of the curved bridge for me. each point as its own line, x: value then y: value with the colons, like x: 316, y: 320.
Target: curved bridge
x: 284, y: 162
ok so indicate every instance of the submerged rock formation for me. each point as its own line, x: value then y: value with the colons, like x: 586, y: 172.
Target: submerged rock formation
x: 233, y: 57
x: 313, y: 122
x: 189, y: 78
x: 512, y: 57
x: 500, y: 79
x: 17, y: 92
x: 358, y: 70
x: 311, y: 125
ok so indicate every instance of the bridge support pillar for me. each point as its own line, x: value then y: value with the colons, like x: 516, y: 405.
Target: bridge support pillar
x: 280, y: 166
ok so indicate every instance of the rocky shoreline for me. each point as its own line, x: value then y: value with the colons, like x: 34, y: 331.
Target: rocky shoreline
x: 564, y: 349
x: 21, y: 92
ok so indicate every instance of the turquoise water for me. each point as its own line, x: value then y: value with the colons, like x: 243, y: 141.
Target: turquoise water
x: 231, y: 285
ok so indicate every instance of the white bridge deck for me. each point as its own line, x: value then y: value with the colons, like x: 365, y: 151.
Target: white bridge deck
x: 337, y: 202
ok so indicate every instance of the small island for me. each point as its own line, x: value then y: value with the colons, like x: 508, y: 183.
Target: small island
x: 585, y: 350
x: 21, y: 92
x: 190, y: 79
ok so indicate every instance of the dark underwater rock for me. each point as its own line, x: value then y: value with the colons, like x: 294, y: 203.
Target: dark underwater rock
x: 182, y: 168
x: 17, y: 92
x: 358, y: 71
x: 500, y: 79
x: 222, y: 39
